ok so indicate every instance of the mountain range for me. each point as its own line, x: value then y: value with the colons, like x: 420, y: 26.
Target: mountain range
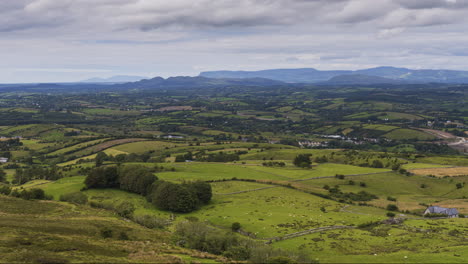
x: 374, y: 75
x: 115, y: 79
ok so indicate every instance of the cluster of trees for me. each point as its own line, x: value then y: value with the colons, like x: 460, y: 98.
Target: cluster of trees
x: 361, y: 196
x: 211, y: 157
x: 183, y: 198
x: 36, y: 173
x: 101, y: 157
x: 274, y: 164
x: 6, y: 145
x: 31, y: 194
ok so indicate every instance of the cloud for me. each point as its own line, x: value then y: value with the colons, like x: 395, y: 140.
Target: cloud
x: 49, y: 39
x: 147, y: 15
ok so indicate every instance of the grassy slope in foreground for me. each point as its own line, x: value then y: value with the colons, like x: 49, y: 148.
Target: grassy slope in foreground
x: 51, y: 232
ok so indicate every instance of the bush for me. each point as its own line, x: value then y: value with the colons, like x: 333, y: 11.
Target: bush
x: 34, y: 194
x: 5, y: 189
x: 106, y: 232
x: 390, y: 214
x: 152, y: 222
x: 392, y: 207
x: 393, y: 199
x: 125, y: 209
x: 123, y: 236
x: 76, y: 198
x: 235, y: 226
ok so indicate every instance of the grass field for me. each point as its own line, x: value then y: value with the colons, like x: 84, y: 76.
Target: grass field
x: 141, y: 147
x: 441, y: 172
x: 404, y: 133
x: 76, y: 147
x: 384, y: 244
x: 412, y: 166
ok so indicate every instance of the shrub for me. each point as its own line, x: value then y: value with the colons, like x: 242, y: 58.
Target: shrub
x: 235, y: 226
x: 76, y: 198
x: 106, y: 232
x: 123, y: 236
x: 5, y: 189
x: 390, y: 214
x: 150, y: 221
x: 392, y: 207
x: 393, y: 199
x: 34, y: 194
x: 340, y: 176
x: 125, y: 209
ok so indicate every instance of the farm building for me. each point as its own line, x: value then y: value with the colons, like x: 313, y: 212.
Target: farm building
x: 3, y: 160
x: 450, y: 212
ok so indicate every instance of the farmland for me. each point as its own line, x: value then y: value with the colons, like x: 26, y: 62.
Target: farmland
x: 304, y: 173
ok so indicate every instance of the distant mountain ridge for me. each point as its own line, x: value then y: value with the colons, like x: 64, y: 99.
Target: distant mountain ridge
x: 310, y: 75
x: 115, y: 79
x: 360, y: 79
x: 198, y: 81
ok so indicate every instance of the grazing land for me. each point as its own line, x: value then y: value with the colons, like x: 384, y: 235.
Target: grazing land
x: 302, y: 173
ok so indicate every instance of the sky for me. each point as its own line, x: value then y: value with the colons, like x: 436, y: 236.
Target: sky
x: 72, y: 40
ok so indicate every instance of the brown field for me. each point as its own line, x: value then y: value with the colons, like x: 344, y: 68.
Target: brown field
x: 113, y: 143
x: 175, y: 108
x: 441, y: 172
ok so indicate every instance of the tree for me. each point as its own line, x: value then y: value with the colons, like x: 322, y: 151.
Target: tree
x: 102, y: 177
x: 459, y: 185
x: 100, y: 158
x: 136, y: 179
x: 2, y: 175
x: 202, y: 190
x: 377, y: 164
x: 174, y: 197
x: 303, y: 160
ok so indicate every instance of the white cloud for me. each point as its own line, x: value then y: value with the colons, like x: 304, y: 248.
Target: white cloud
x: 68, y: 39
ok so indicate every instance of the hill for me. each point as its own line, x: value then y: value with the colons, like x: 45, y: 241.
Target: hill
x: 360, y: 79
x: 199, y: 81
x: 310, y: 75
x: 115, y: 79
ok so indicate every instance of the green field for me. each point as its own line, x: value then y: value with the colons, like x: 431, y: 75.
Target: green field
x: 400, y: 134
